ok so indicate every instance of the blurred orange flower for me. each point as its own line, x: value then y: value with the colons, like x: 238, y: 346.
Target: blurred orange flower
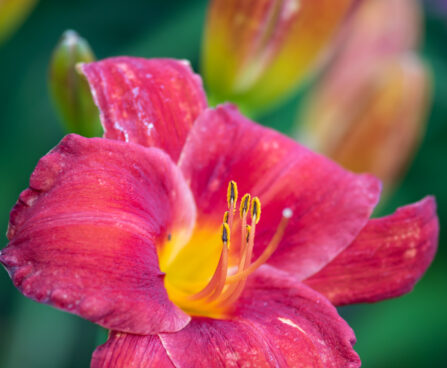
x: 368, y: 111
x: 257, y: 51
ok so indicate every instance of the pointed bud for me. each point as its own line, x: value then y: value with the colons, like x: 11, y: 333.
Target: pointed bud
x: 376, y: 31
x: 69, y: 89
x: 12, y: 14
x: 368, y: 111
x: 257, y: 51
x: 379, y: 128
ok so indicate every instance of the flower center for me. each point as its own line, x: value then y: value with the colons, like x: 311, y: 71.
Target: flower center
x: 227, y: 282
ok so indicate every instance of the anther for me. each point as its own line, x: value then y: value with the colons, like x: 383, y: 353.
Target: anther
x: 248, y: 233
x: 225, y: 234
x: 232, y: 194
x: 225, y: 218
x: 245, y: 203
x: 256, y: 209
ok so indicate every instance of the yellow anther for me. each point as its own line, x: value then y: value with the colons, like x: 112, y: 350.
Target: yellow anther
x: 225, y: 235
x: 225, y: 218
x: 256, y: 209
x: 248, y: 232
x: 232, y: 194
x: 245, y: 204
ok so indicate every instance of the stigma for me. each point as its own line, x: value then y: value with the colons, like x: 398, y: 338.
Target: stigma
x: 227, y: 283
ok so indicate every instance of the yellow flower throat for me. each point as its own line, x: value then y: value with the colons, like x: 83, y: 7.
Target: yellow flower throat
x: 214, y: 289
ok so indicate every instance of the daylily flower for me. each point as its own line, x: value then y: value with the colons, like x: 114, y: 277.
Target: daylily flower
x: 146, y: 232
x: 255, y: 53
x: 369, y: 110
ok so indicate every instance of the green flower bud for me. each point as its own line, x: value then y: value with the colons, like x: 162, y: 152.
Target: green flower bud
x: 69, y: 89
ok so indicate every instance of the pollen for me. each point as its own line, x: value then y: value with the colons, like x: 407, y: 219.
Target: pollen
x: 256, y: 209
x: 227, y: 283
x: 245, y: 203
x: 225, y: 234
x: 232, y: 195
x: 225, y: 217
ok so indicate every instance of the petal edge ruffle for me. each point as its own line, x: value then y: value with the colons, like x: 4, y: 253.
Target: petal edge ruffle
x: 83, y: 237
x: 386, y: 260
x: 123, y: 350
x: 279, y: 322
x: 152, y: 102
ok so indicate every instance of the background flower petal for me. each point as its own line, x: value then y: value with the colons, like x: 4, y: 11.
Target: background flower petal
x: 368, y: 110
x: 152, y: 102
x: 123, y: 350
x: 256, y: 52
x: 387, y: 258
x: 330, y: 205
x: 375, y: 123
x: 279, y: 323
x: 83, y: 236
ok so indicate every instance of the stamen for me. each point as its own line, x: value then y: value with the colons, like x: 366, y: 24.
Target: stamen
x: 245, y: 202
x: 232, y: 194
x: 221, y: 279
x: 248, y: 233
x: 225, y: 235
x: 256, y: 215
x: 223, y: 290
x: 234, y: 291
x: 225, y: 218
x: 256, y: 209
x: 220, y: 274
x: 268, y: 251
x: 232, y: 201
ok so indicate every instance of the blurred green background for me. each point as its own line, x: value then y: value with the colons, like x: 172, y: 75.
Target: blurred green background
x: 410, y: 331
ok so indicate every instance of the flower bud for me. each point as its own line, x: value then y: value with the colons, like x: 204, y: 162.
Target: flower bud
x: 378, y: 127
x: 376, y: 31
x: 69, y: 89
x: 256, y: 52
x: 368, y: 110
x: 12, y: 14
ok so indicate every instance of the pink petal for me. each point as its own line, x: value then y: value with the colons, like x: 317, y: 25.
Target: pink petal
x: 279, y: 323
x: 83, y: 236
x: 122, y: 351
x: 386, y: 260
x: 330, y: 205
x: 152, y: 102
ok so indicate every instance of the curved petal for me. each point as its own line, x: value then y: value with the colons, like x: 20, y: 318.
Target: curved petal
x: 83, y: 236
x: 279, y: 323
x: 123, y: 350
x: 152, y: 102
x: 257, y: 51
x: 330, y: 205
x: 386, y: 260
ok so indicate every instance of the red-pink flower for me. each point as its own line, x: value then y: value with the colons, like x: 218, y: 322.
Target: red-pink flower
x: 131, y: 231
